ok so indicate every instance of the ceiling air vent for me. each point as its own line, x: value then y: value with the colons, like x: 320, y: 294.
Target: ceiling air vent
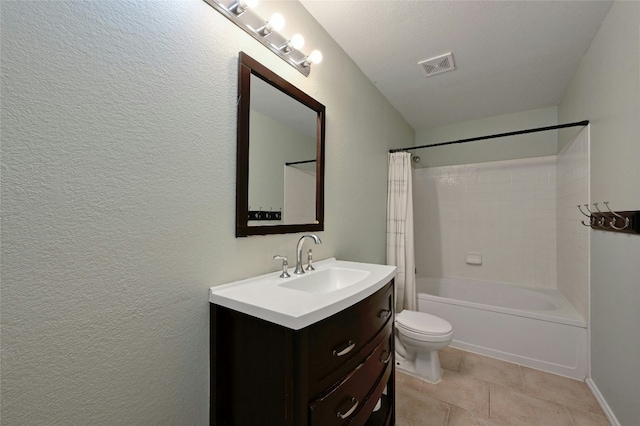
x: 437, y: 65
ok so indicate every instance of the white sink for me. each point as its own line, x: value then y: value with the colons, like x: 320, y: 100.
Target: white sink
x: 302, y: 300
x: 327, y: 280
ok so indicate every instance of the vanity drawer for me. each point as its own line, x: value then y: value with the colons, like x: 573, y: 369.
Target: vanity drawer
x: 319, y: 386
x: 335, y: 341
x: 343, y: 403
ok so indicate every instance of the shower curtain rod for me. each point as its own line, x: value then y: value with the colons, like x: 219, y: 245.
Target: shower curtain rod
x: 498, y: 135
x: 299, y: 162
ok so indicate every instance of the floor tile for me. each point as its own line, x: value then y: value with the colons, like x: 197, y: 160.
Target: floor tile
x: 406, y: 381
x: 517, y: 408
x: 565, y: 391
x: 492, y: 370
x: 416, y: 409
x: 450, y: 358
x: 460, y: 417
x: 582, y: 418
x: 463, y: 391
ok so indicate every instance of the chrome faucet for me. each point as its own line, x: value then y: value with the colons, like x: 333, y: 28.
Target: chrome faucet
x: 316, y: 239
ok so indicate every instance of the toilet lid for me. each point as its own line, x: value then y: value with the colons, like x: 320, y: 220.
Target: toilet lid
x: 423, y: 323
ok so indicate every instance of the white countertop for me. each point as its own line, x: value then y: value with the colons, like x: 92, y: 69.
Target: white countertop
x: 264, y: 298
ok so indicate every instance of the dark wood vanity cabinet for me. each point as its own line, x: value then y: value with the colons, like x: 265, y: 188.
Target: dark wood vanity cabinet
x: 332, y: 372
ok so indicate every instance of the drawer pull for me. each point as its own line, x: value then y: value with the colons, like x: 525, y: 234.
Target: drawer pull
x: 349, y: 348
x: 387, y: 359
x: 351, y: 410
x: 384, y: 314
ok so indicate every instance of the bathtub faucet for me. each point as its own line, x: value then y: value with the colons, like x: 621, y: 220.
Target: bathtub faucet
x: 316, y: 239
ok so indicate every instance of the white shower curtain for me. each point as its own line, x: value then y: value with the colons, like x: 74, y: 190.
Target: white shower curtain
x: 400, y: 250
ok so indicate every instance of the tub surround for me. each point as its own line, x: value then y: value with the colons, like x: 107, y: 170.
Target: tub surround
x: 572, y: 179
x: 519, y: 215
x: 501, y: 210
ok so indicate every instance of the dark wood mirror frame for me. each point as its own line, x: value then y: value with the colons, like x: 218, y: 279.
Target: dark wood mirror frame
x: 246, y: 67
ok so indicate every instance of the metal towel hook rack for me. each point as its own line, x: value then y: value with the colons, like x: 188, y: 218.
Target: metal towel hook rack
x: 608, y: 220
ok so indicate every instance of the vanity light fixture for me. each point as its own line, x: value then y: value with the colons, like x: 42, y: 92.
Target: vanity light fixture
x: 242, y: 13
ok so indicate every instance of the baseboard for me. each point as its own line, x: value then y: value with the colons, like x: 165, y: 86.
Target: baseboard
x: 574, y: 372
x: 603, y: 403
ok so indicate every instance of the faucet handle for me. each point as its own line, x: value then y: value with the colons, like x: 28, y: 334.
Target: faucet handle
x: 285, y: 265
x: 310, y: 261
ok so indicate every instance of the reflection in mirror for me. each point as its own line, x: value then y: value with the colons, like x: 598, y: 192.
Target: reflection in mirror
x: 280, y: 155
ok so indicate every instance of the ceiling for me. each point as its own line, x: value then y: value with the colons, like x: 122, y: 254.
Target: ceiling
x: 510, y: 56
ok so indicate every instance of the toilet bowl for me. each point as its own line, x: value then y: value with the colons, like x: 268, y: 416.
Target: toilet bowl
x: 417, y: 339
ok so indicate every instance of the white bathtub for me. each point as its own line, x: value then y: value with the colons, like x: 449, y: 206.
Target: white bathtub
x: 534, y: 327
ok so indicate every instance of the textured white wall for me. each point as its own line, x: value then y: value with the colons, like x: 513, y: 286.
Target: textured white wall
x: 118, y: 199
x: 606, y: 91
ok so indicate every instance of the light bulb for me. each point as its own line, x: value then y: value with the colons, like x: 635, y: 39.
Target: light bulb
x: 296, y: 42
x: 276, y: 22
x: 315, y: 57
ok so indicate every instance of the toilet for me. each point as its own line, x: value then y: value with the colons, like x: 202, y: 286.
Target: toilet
x: 418, y: 337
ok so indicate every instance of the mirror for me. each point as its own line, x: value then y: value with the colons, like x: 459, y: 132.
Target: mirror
x: 280, y: 159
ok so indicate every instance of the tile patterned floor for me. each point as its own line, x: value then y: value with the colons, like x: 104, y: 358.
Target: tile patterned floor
x: 481, y: 391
